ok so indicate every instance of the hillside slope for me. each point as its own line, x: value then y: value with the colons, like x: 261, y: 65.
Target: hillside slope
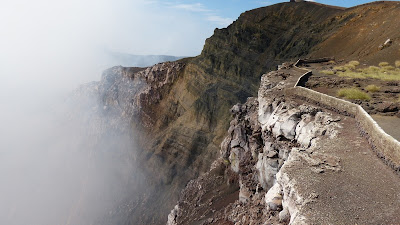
x: 363, y: 36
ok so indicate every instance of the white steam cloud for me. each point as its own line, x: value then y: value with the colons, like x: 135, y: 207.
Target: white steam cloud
x: 51, y: 170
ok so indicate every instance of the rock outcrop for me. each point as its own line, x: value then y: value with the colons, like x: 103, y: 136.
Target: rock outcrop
x: 265, y: 134
x: 288, y: 161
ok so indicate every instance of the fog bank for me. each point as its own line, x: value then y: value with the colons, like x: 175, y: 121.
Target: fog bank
x: 61, y: 162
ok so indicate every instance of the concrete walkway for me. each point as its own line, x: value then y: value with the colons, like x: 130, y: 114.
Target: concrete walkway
x: 362, y: 190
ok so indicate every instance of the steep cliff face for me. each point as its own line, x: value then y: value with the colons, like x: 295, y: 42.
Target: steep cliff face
x: 242, y: 185
x: 179, y: 111
x: 279, y: 163
x: 262, y: 38
x: 128, y: 100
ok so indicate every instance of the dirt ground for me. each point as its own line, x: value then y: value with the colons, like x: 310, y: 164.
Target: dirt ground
x: 383, y: 102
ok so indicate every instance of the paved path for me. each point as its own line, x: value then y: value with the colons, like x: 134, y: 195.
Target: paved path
x: 363, y: 191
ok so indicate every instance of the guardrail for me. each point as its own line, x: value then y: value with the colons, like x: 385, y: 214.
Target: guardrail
x: 385, y: 146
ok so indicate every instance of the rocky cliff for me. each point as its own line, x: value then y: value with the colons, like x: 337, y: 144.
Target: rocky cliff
x: 245, y: 185
x: 178, y: 113
x: 287, y: 160
x: 276, y: 145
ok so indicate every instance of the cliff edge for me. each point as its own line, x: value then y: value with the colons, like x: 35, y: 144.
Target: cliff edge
x: 288, y: 161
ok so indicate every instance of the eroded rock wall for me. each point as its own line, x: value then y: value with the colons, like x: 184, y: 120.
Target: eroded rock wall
x: 265, y: 133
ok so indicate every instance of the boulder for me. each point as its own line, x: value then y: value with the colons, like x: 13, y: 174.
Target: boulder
x: 387, y: 43
x: 387, y: 107
x: 284, y: 216
x: 273, y: 198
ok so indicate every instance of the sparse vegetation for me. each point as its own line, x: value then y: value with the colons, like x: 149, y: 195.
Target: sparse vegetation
x: 383, y: 64
x: 384, y: 72
x: 372, y: 88
x: 353, y: 93
x: 354, y: 63
x: 349, y: 67
x: 328, y: 72
x: 339, y: 68
x: 397, y: 63
x: 373, y: 68
x: 388, y: 68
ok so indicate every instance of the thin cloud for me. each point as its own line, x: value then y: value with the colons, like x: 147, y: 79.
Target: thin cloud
x: 264, y: 2
x: 219, y: 20
x: 195, y: 7
x: 209, y: 14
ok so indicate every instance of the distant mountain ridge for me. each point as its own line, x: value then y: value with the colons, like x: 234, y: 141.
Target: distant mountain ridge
x: 131, y: 60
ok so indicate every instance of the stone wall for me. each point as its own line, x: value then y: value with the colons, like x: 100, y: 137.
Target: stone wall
x: 382, y: 143
x: 332, y: 103
x: 303, y: 79
x: 385, y: 146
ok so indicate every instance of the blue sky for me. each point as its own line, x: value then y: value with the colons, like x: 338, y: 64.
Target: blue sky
x: 71, y: 36
x: 210, y: 14
x: 175, y: 27
x: 228, y: 10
